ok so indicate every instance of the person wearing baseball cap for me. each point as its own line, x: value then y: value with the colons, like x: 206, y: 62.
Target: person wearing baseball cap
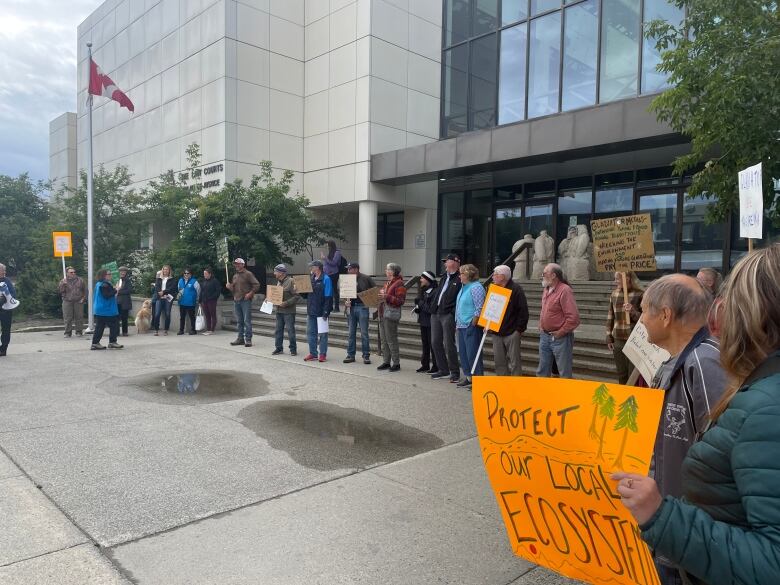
x: 358, y: 316
x: 285, y: 313
x: 506, y: 341
x: 443, y: 321
x: 244, y: 287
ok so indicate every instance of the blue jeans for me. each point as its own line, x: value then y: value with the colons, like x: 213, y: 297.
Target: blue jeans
x: 160, y: 306
x: 358, y: 316
x: 243, y: 312
x: 468, y: 344
x: 285, y: 320
x: 311, y: 333
x: 559, y: 349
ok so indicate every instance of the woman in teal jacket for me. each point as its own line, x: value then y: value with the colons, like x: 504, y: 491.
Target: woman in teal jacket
x: 726, y: 529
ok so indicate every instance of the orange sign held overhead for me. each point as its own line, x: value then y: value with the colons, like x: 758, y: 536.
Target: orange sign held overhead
x: 494, y: 307
x: 549, y: 448
x: 62, y: 244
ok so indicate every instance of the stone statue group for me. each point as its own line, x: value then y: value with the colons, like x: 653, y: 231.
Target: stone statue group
x: 575, y: 255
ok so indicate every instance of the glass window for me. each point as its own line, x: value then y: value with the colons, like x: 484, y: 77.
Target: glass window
x: 614, y: 201
x: 452, y: 222
x: 513, y: 11
x: 509, y: 194
x: 536, y: 219
x: 701, y: 244
x: 580, y: 52
x: 653, y: 80
x: 482, y: 105
x: 541, y: 189
x: 511, y: 99
x: 456, y: 84
x: 390, y: 231
x: 485, y: 17
x: 457, y: 16
x: 479, y: 211
x: 574, y: 208
x: 509, y: 229
x: 663, y: 215
x: 620, y: 49
x: 544, y: 65
x: 539, y: 6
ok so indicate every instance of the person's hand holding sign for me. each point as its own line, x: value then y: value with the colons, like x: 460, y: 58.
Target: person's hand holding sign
x: 639, y: 494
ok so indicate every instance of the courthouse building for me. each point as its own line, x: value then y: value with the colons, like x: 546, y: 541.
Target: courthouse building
x: 430, y: 126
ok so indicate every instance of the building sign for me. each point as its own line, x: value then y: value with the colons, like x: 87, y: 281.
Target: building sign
x: 206, y: 176
x: 549, y: 447
x: 419, y: 241
x: 751, y: 203
x: 624, y: 243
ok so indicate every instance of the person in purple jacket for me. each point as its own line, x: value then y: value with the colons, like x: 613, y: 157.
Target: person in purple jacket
x: 331, y: 265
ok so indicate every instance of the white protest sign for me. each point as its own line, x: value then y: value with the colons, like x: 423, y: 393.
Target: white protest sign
x: 645, y: 356
x: 751, y: 203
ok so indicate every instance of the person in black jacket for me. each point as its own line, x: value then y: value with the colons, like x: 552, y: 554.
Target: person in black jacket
x: 443, y: 321
x: 506, y: 341
x: 423, y: 308
x: 165, y: 289
x: 210, y: 290
x: 124, y: 288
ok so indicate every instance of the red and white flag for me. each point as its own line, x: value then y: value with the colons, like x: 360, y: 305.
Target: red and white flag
x: 101, y: 84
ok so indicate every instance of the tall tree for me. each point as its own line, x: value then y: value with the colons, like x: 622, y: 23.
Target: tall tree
x: 723, y: 64
x: 23, y: 216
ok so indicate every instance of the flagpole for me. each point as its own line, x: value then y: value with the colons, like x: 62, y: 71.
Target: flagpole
x: 90, y: 255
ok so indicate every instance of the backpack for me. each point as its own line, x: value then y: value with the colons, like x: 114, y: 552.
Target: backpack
x: 343, y: 265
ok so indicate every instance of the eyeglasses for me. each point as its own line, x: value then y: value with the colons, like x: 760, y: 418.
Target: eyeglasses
x: 188, y: 273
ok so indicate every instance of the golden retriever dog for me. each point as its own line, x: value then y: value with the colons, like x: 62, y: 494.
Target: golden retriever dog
x: 143, y: 318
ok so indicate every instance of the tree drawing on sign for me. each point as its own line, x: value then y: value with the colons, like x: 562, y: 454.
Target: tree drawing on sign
x: 600, y: 396
x: 607, y: 412
x: 626, y: 420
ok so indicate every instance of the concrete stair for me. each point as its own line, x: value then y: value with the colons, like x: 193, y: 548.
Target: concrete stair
x: 592, y: 359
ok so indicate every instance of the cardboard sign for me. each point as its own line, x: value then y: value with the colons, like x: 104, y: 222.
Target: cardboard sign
x: 274, y: 294
x: 549, y: 446
x: 624, y: 243
x: 751, y: 203
x: 370, y: 297
x: 645, y: 356
x: 348, y: 286
x: 63, y: 246
x: 302, y: 283
x: 494, y: 308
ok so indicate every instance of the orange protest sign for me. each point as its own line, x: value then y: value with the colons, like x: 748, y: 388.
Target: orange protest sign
x: 494, y: 307
x: 62, y: 244
x: 549, y: 447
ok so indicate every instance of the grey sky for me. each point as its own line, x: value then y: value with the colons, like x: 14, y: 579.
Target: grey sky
x: 37, y: 77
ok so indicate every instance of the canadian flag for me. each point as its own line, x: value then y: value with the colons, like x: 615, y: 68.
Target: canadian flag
x: 101, y: 84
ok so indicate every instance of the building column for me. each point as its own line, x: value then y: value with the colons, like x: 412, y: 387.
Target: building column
x: 367, y: 216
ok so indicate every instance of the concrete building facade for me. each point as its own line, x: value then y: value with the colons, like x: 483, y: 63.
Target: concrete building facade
x: 63, y: 169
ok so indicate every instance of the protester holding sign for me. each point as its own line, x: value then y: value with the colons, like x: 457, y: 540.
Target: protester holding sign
x: 285, y: 312
x: 558, y: 319
x: 468, y: 306
x: 73, y: 291
x: 725, y: 529
x: 358, y: 316
x: 619, y: 327
x: 7, y: 291
x: 506, y: 341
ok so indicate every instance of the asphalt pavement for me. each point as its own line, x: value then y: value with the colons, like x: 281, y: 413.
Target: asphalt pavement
x: 183, y: 460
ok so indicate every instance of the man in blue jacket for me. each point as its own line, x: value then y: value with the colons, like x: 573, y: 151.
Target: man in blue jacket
x: 318, y: 307
x: 106, y: 311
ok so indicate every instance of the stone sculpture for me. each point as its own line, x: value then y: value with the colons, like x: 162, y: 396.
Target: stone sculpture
x: 580, y: 252
x: 522, y: 261
x: 544, y: 253
x: 565, y: 250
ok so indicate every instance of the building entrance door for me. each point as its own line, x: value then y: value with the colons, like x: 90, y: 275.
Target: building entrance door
x: 513, y: 221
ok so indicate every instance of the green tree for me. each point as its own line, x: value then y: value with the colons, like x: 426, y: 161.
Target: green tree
x: 607, y: 412
x: 626, y: 419
x: 600, y: 395
x: 23, y: 217
x: 722, y: 62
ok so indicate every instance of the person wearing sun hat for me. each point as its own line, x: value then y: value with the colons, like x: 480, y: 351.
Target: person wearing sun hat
x: 423, y: 308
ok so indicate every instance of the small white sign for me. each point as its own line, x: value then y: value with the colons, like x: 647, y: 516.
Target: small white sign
x: 494, y: 308
x: 644, y: 355
x: 751, y: 203
x: 267, y: 307
x: 322, y: 325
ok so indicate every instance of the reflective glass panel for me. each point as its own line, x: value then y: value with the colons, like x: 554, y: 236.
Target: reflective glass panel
x: 544, y: 65
x: 663, y: 215
x: 513, y: 11
x: 537, y: 218
x: 702, y: 244
x: 479, y: 210
x: 511, y: 98
x: 653, y: 80
x: 457, y: 16
x: 485, y: 17
x: 580, y: 54
x: 574, y: 208
x: 615, y: 201
x: 451, y: 223
x: 509, y: 227
x: 456, y: 85
x: 482, y: 105
x: 539, y: 6
x: 619, y: 49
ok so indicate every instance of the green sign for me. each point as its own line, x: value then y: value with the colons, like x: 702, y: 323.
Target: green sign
x: 113, y: 268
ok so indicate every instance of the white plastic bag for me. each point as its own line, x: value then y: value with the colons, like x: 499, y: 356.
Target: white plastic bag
x: 200, y: 320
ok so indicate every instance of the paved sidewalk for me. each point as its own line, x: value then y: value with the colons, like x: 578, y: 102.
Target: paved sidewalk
x: 112, y: 471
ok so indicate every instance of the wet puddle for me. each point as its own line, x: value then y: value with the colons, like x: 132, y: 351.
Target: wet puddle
x: 203, y: 387
x: 324, y: 436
